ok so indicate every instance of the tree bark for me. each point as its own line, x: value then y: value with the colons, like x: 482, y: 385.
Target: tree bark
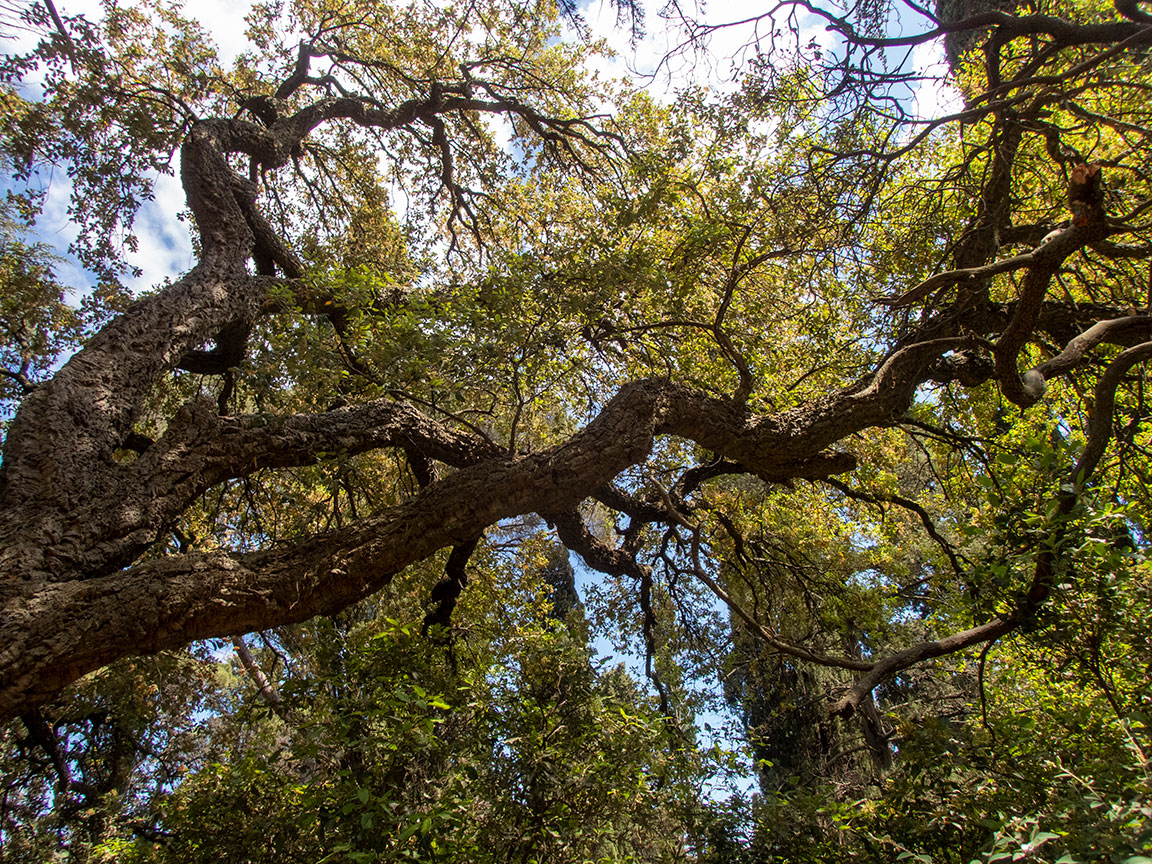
x: 75, y: 520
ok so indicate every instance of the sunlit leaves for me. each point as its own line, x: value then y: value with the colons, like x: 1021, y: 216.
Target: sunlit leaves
x: 40, y: 324
x: 108, y: 111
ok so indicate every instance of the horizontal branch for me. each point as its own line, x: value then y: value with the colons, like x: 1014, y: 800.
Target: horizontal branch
x: 53, y: 633
x: 1054, y: 248
x: 1109, y: 330
x: 53, y: 629
x: 56, y: 631
x: 884, y: 669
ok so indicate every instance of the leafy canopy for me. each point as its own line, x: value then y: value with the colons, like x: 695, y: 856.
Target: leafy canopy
x: 837, y: 408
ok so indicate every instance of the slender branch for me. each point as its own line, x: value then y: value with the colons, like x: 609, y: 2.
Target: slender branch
x: 1045, y: 571
x: 62, y: 31
x: 574, y: 534
x: 447, y: 591
x: 264, y: 687
x: 907, y: 504
x: 884, y: 669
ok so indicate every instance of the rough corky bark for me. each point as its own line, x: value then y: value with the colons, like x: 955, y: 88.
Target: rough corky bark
x: 74, y: 521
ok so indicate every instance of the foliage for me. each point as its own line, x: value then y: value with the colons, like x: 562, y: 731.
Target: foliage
x: 510, y: 743
x: 38, y: 322
x: 838, y: 408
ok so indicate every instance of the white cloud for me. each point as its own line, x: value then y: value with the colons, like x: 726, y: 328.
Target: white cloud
x: 224, y: 19
x: 165, y: 242
x: 935, y: 96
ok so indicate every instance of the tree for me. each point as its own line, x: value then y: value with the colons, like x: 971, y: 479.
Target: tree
x: 662, y: 332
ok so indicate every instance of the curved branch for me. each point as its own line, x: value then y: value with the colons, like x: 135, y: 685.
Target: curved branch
x: 1010, y: 26
x: 299, y: 74
x: 907, y: 504
x: 762, y: 633
x: 46, y: 627
x: 1053, y: 249
x: 1045, y: 572
x: 1131, y: 10
x: 1110, y: 331
x: 574, y: 534
x: 1100, y: 425
x: 231, y: 344
x: 881, y: 671
x: 1089, y: 224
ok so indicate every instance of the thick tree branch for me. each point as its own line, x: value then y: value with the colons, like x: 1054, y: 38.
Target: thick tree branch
x: 201, y: 448
x: 199, y: 595
x: 52, y: 633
